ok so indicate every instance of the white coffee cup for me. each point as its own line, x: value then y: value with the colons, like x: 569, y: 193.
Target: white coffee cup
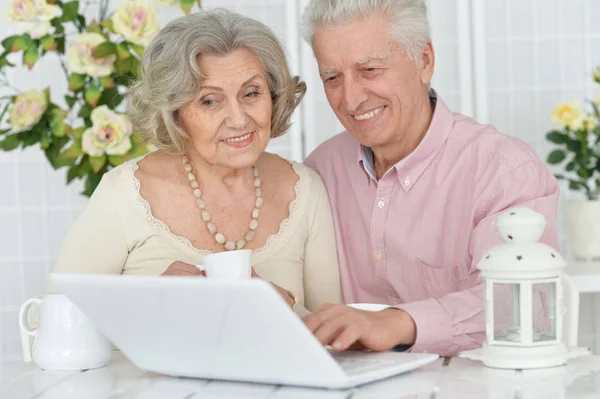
x: 65, y: 338
x: 371, y: 307
x: 228, y: 265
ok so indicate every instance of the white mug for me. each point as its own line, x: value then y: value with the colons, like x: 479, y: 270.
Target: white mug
x: 65, y: 338
x: 230, y: 265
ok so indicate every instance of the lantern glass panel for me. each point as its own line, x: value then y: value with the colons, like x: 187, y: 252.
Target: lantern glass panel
x: 544, y: 311
x: 507, y: 315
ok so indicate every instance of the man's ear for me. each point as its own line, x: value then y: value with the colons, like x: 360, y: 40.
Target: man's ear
x: 427, y: 63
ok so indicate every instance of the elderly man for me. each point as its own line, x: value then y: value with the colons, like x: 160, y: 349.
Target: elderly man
x: 415, y: 188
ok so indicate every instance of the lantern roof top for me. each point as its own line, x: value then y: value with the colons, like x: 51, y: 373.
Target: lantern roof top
x: 521, y: 253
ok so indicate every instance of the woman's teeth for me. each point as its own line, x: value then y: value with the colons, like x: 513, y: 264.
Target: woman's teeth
x: 240, y: 138
x: 368, y: 115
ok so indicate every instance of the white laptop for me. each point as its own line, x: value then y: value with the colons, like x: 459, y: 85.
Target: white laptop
x: 226, y: 330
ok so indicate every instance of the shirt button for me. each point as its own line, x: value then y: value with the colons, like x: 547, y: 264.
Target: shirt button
x: 379, y: 255
x: 381, y: 204
x: 406, y: 182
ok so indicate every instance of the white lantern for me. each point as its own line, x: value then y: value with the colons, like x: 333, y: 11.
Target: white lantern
x: 523, y: 296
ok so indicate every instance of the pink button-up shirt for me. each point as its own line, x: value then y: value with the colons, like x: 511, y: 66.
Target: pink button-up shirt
x: 413, y: 238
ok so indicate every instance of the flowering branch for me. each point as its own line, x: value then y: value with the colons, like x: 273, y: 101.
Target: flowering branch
x: 87, y: 134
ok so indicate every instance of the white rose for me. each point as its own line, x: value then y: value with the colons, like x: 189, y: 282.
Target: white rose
x: 110, y: 133
x: 27, y: 110
x: 136, y: 21
x: 80, y: 56
x: 30, y: 16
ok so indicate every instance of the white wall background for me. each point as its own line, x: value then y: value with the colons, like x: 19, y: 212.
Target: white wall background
x: 505, y: 62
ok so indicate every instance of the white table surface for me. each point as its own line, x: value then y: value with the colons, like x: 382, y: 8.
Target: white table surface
x: 445, y: 379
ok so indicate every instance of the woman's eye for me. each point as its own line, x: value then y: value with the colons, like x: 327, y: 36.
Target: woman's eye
x: 208, y: 102
x: 252, y: 94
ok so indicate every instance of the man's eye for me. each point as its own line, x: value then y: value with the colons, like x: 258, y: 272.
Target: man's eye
x: 331, y: 79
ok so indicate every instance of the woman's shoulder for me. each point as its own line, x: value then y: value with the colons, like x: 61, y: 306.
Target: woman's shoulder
x: 292, y: 170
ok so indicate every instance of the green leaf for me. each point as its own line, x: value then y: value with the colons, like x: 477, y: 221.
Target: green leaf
x: 45, y: 142
x: 94, y: 27
x: 122, y: 51
x: 48, y: 43
x: 21, y: 43
x: 85, y: 111
x: 575, y: 185
x: 60, y: 44
x: 70, y: 100
x: 559, y: 176
x: 557, y: 137
x: 10, y: 142
x: 124, y: 66
x: 29, y: 139
x: 76, y: 81
x: 570, y: 166
x: 31, y: 56
x: 8, y: 42
x: 97, y: 163
x: 123, y: 80
x: 54, y: 155
x: 574, y: 145
x: 556, y: 156
x: 5, y: 110
x: 74, y: 151
x: 105, y: 49
x: 106, y: 82
x: 70, y: 11
x: 116, y: 160
x: 92, y: 94
x: 57, y: 122
x: 186, y: 5
x: 110, y: 97
x: 72, y: 173
x: 136, y: 48
x: 4, y: 62
x: 77, y: 133
x: 108, y: 25
x: 91, y: 183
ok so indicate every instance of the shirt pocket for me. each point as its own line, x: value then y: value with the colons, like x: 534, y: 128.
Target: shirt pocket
x: 435, y: 281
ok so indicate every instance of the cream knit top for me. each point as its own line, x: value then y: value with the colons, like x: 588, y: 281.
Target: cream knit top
x: 116, y: 233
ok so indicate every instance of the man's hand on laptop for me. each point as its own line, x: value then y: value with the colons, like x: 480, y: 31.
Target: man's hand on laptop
x: 182, y: 269
x: 344, y: 328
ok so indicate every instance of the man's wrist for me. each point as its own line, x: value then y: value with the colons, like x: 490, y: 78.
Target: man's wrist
x: 403, y: 325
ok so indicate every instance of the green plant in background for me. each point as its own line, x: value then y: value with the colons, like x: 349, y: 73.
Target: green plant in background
x: 578, y: 139
x: 87, y: 131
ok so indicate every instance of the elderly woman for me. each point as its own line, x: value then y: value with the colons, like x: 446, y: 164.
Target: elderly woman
x: 214, y: 88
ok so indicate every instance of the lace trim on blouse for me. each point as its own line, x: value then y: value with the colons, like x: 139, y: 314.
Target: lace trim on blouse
x: 274, y: 241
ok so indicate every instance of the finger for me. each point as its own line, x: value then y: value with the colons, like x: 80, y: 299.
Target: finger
x: 188, y: 269
x: 349, y: 336
x: 330, y: 330
x: 325, y: 312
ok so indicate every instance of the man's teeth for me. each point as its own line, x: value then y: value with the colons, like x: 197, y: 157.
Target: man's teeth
x: 241, y: 138
x: 368, y: 115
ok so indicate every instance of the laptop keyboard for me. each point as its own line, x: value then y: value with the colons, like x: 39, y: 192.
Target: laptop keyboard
x: 358, y: 363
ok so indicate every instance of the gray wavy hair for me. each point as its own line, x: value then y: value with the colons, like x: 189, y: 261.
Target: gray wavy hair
x: 407, y: 19
x: 169, y: 74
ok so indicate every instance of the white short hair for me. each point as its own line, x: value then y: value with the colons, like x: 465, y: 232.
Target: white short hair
x: 407, y: 19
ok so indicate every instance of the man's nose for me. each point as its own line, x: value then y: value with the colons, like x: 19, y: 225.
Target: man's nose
x: 354, y: 94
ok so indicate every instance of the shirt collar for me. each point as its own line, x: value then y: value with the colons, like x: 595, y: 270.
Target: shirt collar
x: 409, y: 169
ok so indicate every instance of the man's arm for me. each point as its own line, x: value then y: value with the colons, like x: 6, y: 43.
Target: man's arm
x: 456, y: 322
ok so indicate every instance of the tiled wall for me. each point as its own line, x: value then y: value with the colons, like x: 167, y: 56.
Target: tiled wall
x: 508, y: 64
